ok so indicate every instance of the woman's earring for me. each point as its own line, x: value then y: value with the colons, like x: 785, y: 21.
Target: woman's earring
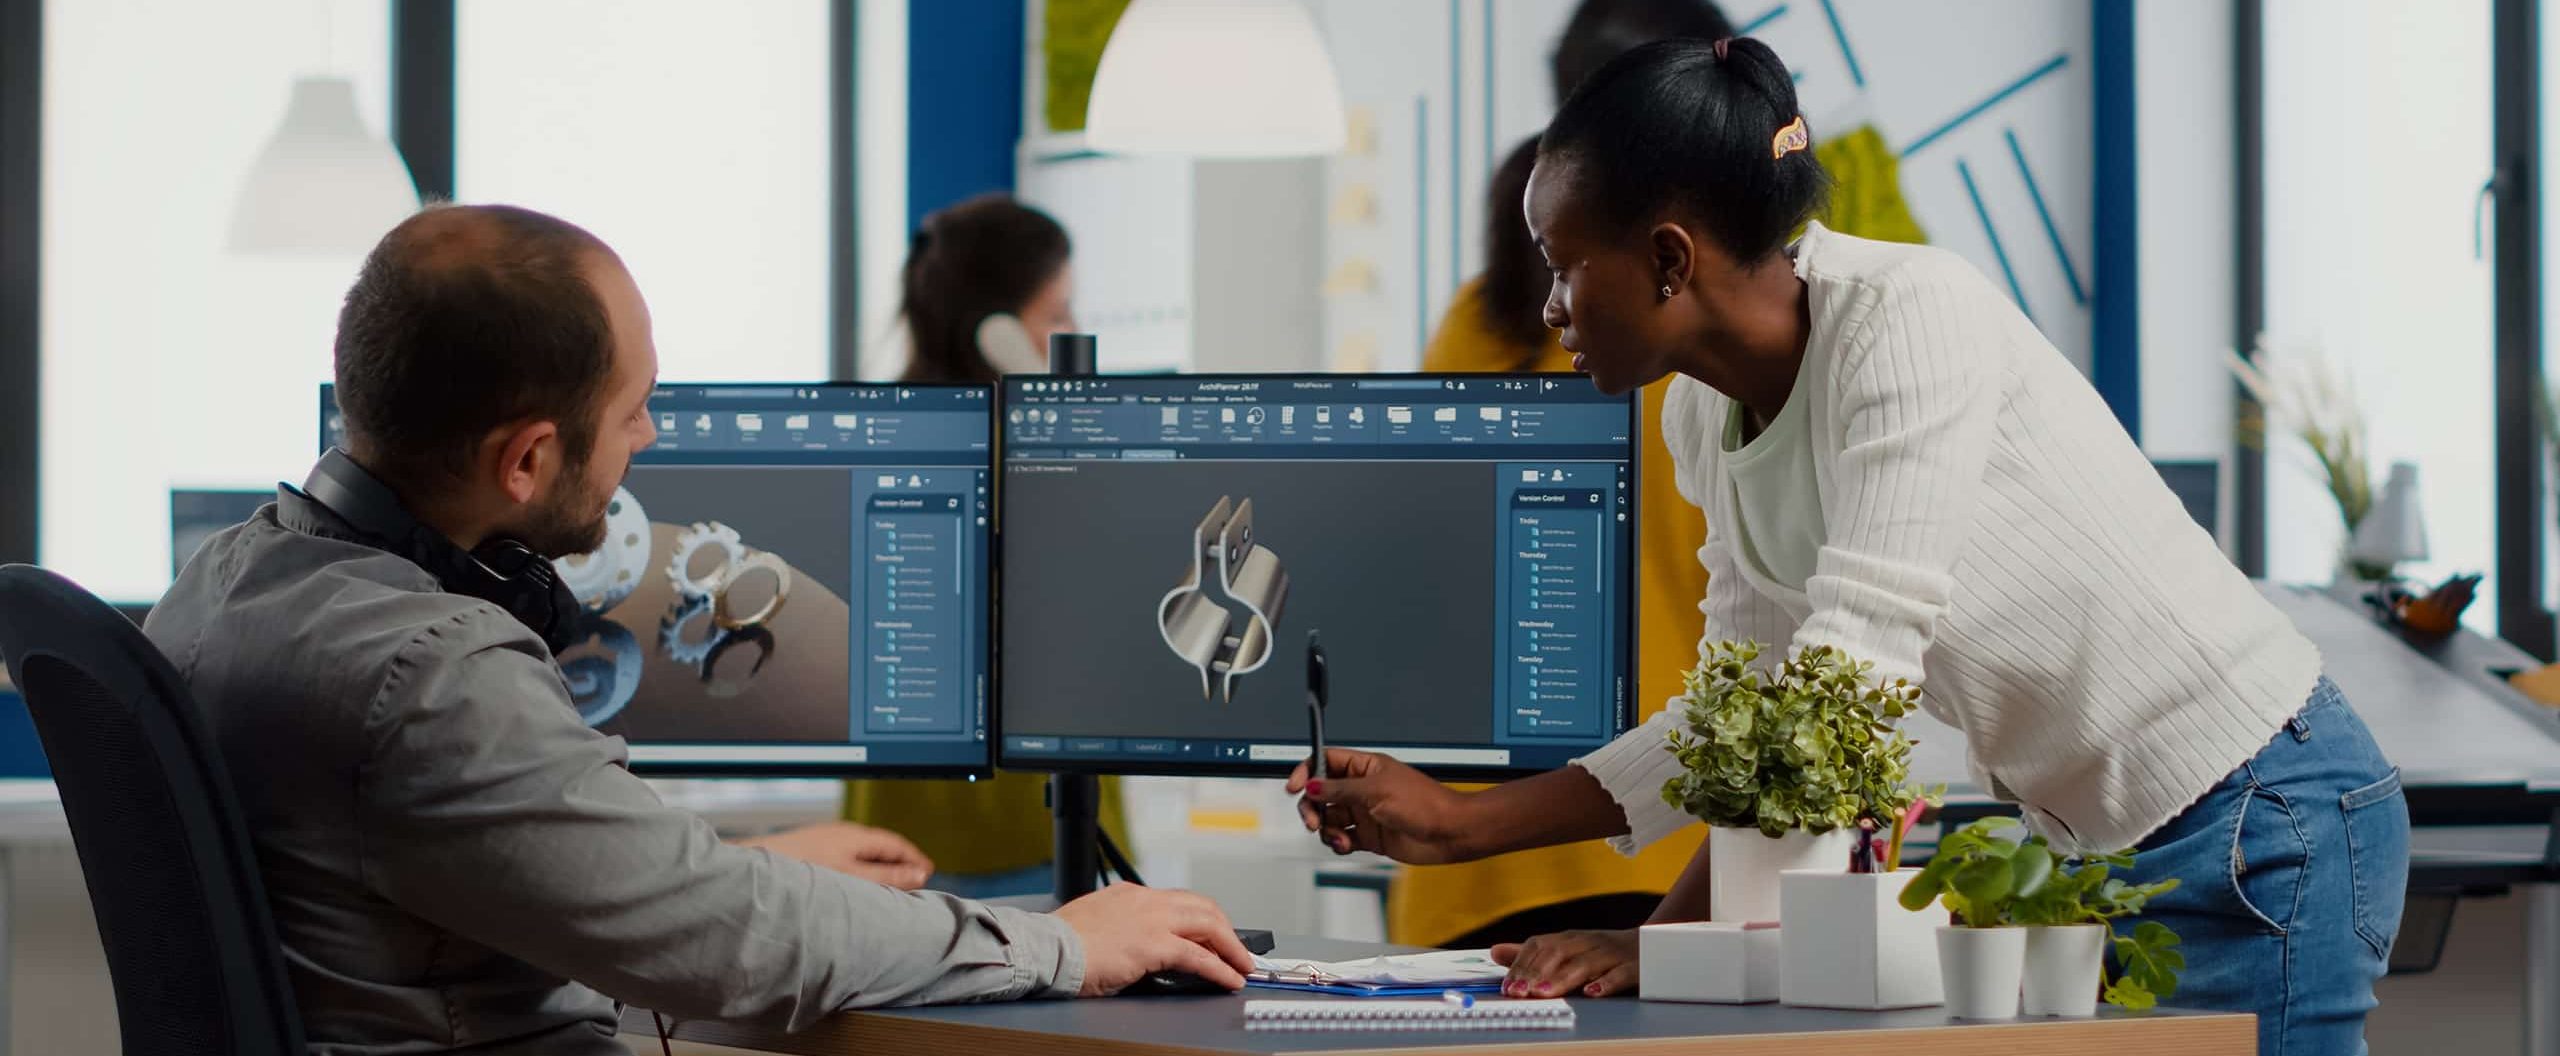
x: 1666, y: 292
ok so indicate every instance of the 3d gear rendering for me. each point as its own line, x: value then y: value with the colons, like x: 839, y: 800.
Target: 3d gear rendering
x: 726, y: 618
x: 690, y: 542
x: 716, y: 686
x: 604, y: 577
x: 602, y: 670
x: 677, y: 628
x: 1197, y: 627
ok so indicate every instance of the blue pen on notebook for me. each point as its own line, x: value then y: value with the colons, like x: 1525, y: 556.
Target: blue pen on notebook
x: 1459, y: 998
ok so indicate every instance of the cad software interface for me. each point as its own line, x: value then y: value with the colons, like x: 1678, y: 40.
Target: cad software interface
x: 793, y: 577
x: 1460, y: 544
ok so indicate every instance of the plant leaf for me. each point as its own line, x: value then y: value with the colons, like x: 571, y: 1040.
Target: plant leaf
x: 1984, y: 884
x: 2126, y: 994
x: 2029, y: 868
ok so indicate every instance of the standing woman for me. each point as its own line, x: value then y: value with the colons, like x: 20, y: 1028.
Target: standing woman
x: 985, y: 284
x: 1896, y: 463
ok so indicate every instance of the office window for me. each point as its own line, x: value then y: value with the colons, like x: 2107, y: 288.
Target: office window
x: 2377, y: 144
x: 167, y: 361
x: 692, y: 138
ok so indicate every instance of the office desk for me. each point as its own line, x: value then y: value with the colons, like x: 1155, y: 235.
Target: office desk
x: 1214, y: 1026
x: 2465, y: 742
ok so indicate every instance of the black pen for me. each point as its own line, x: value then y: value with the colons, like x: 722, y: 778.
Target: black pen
x: 1317, y: 691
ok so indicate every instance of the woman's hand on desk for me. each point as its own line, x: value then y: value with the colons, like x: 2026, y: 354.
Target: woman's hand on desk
x: 1130, y: 931
x: 1594, y: 963
x: 877, y: 855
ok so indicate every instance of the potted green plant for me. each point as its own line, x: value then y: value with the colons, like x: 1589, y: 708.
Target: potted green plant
x: 1782, y: 764
x: 2069, y: 924
x: 2002, y: 893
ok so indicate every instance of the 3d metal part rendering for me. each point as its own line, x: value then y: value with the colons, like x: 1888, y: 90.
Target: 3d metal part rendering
x: 1200, y: 628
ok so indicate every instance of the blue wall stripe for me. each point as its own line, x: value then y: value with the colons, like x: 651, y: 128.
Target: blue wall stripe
x: 2061, y: 253
x: 1998, y: 251
x: 1760, y: 23
x: 2115, y: 316
x: 2014, y: 87
x: 961, y: 130
x: 1856, y: 76
x: 1421, y: 222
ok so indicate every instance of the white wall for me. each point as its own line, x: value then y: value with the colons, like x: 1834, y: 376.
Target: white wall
x: 880, y: 165
x: 696, y: 147
x: 166, y: 360
x: 1438, y: 93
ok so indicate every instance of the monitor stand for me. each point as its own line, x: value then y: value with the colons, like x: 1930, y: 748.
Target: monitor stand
x: 1075, y: 800
x: 1075, y: 805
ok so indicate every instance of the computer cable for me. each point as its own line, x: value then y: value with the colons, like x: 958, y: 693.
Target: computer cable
x: 1114, y: 861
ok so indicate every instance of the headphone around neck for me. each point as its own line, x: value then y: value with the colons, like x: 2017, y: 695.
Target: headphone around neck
x: 502, y: 572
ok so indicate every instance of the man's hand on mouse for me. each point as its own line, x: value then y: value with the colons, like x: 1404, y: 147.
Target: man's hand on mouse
x: 1130, y: 931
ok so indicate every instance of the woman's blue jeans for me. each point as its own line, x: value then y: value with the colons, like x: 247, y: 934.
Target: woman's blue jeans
x: 2291, y: 876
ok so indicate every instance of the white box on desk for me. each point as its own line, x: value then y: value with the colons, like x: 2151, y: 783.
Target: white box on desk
x: 1847, y: 942
x: 1708, y: 961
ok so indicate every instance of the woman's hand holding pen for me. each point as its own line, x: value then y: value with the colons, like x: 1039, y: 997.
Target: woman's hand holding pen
x: 1369, y: 802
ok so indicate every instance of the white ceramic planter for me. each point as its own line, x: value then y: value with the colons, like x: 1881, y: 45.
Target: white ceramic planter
x: 2063, y: 970
x: 1845, y: 942
x: 1980, y: 968
x: 1743, y: 868
x: 1726, y: 964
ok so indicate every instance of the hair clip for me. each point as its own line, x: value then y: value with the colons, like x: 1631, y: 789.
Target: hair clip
x: 1790, y: 139
x: 1723, y: 46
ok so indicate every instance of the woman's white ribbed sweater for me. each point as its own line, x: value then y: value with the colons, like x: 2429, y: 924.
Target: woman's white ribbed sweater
x: 1991, y: 534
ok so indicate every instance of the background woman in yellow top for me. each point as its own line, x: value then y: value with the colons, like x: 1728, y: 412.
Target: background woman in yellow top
x: 985, y: 284
x: 1496, y: 323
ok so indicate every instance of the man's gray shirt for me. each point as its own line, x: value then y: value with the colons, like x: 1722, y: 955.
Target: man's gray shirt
x: 455, y: 862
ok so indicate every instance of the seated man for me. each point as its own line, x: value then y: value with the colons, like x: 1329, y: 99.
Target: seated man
x: 454, y: 860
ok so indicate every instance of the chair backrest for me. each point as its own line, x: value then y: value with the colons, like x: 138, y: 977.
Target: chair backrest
x: 172, y: 876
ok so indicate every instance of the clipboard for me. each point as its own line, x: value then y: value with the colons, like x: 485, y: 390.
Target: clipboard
x: 1408, y: 975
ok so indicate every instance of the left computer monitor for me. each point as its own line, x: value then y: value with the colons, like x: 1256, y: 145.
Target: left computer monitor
x: 792, y: 583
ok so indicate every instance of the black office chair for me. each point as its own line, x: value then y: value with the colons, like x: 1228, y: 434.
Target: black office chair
x: 171, y: 874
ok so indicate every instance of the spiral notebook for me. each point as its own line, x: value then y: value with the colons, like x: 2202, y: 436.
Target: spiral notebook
x: 1548, y: 1014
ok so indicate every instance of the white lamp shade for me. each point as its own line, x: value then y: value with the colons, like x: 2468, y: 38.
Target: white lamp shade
x: 2392, y: 531
x: 1215, y: 79
x: 323, y: 185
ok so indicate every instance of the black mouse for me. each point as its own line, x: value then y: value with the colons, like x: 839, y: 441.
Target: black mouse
x: 1173, y: 984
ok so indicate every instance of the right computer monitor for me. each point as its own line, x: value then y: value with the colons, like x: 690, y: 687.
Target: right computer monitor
x: 1461, y: 543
